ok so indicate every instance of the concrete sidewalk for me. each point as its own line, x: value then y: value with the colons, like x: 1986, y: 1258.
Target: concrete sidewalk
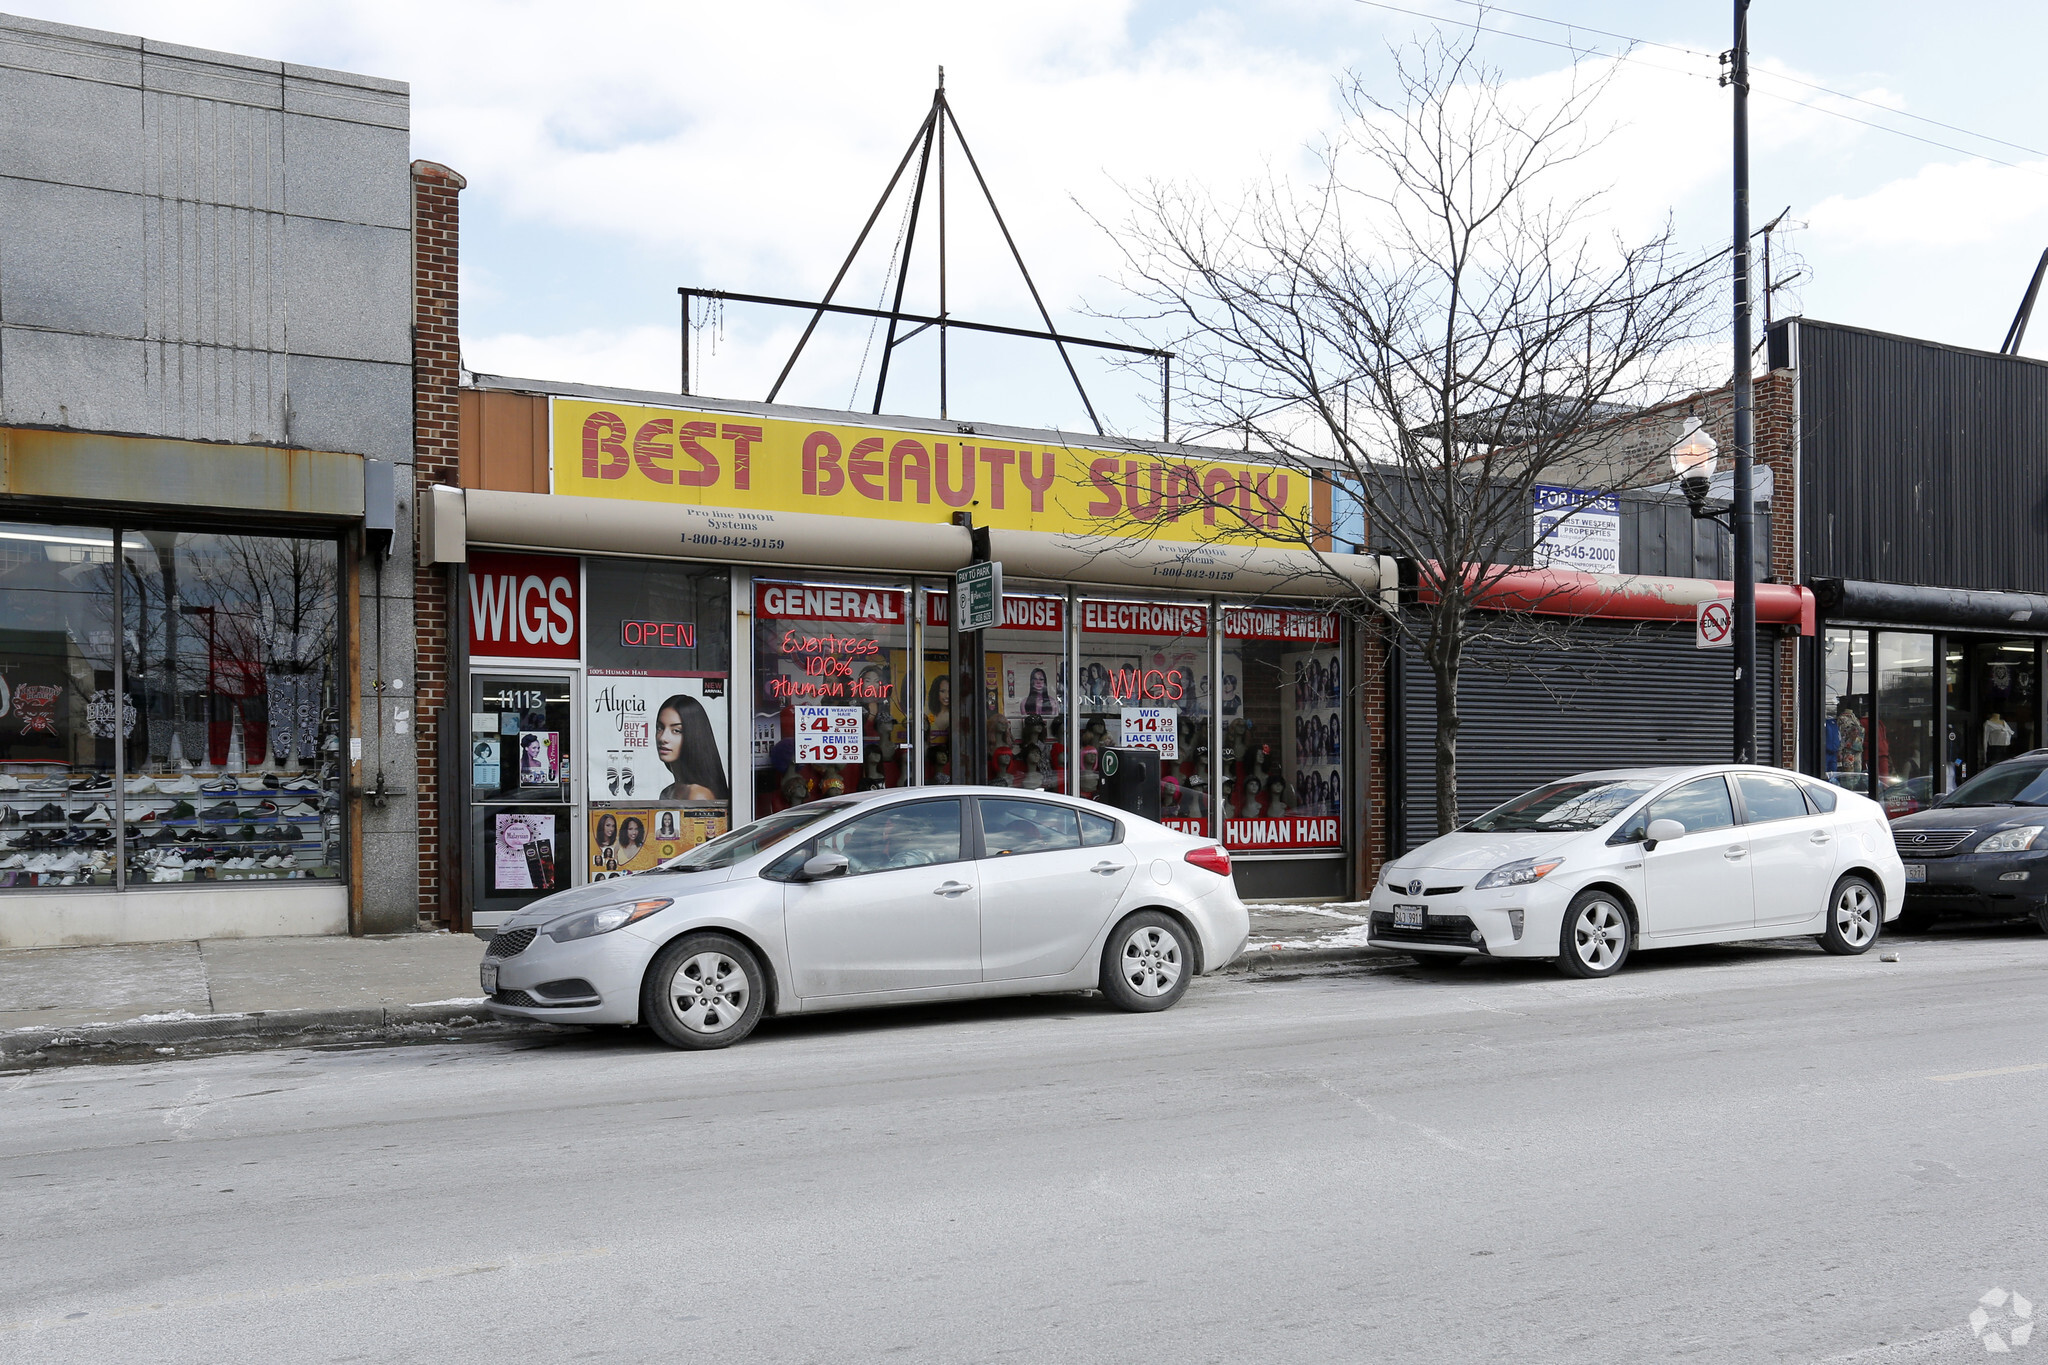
x: 73, y: 1004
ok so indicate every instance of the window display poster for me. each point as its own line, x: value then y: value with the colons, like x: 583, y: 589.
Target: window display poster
x: 657, y: 737
x: 1034, y: 685
x: 523, y: 853
x: 1107, y: 681
x: 540, y: 758
x: 623, y: 840
x: 483, y: 762
x: 828, y: 734
x: 1311, y: 739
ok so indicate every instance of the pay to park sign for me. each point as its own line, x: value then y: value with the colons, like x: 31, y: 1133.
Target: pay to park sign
x: 724, y: 460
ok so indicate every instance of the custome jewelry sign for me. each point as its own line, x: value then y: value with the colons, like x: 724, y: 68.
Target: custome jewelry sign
x: 706, y: 459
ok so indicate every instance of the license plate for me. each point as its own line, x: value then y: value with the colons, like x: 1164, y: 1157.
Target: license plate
x: 487, y: 976
x: 1409, y: 916
x: 1916, y: 872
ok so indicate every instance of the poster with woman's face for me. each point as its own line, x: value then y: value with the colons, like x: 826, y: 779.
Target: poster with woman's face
x: 1033, y: 685
x: 635, y: 840
x: 657, y: 738
x: 540, y: 758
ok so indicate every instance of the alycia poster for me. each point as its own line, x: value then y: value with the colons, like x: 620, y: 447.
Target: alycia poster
x: 657, y: 737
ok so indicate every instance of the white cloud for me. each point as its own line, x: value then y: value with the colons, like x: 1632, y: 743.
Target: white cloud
x: 1953, y: 204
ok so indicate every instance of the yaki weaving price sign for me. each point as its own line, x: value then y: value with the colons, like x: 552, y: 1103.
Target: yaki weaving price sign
x: 1153, y: 727
x: 828, y: 734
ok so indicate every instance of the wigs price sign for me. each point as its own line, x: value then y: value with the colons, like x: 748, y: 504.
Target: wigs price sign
x: 828, y: 734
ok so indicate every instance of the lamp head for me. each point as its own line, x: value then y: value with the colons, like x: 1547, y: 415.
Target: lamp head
x: 1693, y: 455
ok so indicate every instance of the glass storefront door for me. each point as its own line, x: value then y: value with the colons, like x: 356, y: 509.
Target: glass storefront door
x: 1993, y: 703
x: 522, y: 788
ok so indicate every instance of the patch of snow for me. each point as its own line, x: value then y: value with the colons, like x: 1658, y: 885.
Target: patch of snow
x: 1342, y: 911
x: 459, y: 1000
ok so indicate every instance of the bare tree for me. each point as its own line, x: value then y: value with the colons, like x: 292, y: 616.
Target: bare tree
x: 1440, y: 319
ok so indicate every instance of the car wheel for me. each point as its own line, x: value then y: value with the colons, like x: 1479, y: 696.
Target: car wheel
x: 703, y: 991
x: 1147, y: 962
x: 1594, y: 940
x: 1855, y: 917
x: 1437, y: 962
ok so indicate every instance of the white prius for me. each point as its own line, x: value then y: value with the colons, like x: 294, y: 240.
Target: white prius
x: 1591, y: 868
x: 878, y: 898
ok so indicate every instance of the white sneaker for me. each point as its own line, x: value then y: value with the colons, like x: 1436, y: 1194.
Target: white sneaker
x: 98, y: 815
x: 8, y: 783
x: 18, y: 861
x: 136, y: 786
x: 182, y: 786
x: 250, y: 782
x: 299, y: 811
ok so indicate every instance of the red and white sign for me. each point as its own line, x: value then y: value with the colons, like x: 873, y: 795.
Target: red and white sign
x: 828, y: 734
x: 1198, y: 828
x: 806, y: 602
x: 524, y: 606
x: 1019, y: 613
x: 1144, y: 618
x: 1713, y: 624
x: 1307, y: 831
x: 1153, y: 727
x: 1279, y: 623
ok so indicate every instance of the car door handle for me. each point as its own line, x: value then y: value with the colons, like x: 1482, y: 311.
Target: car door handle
x: 1107, y: 869
x: 1736, y: 854
x: 950, y: 889
x: 1819, y: 837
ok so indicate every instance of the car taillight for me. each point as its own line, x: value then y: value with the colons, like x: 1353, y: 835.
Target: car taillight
x: 1210, y: 859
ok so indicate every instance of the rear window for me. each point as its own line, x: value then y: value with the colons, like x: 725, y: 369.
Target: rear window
x: 1823, y: 798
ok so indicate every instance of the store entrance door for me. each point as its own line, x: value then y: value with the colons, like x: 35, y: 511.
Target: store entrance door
x: 522, y: 790
x: 1993, y: 703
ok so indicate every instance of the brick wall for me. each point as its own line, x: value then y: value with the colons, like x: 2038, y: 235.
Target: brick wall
x: 437, y: 372
x: 1371, y: 672
x: 1776, y: 440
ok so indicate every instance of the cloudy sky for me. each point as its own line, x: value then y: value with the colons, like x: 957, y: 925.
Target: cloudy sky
x: 615, y: 150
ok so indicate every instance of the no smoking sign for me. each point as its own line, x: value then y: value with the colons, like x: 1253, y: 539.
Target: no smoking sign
x: 1713, y: 624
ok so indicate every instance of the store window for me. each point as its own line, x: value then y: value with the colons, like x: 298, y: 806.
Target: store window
x: 831, y: 666
x: 1025, y: 689
x: 657, y: 711
x: 1846, y: 696
x: 1143, y: 681
x: 1904, y: 745
x: 1281, y: 699
x: 59, y: 711
x: 209, y: 749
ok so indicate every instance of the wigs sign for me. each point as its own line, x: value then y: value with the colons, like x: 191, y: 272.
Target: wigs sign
x: 523, y: 606
x: 642, y: 454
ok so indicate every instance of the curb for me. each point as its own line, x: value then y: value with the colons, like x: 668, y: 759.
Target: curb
x: 1255, y: 960
x: 137, y: 1039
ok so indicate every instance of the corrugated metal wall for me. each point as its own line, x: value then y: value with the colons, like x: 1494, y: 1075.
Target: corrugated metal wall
x: 1921, y: 464
x: 1622, y: 695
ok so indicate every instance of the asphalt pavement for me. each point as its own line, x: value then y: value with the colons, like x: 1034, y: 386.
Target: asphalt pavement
x: 1745, y: 1154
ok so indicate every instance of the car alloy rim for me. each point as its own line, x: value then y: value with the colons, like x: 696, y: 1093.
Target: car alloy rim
x: 1599, y: 935
x: 1152, y: 961
x: 1856, y: 915
x: 710, y: 992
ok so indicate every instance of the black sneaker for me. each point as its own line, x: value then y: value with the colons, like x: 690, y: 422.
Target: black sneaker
x: 50, y: 813
x: 98, y: 782
x: 246, y: 833
x: 287, y: 834
x: 226, y: 810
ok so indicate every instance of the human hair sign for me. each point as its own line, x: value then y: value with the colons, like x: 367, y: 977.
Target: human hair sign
x: 682, y: 455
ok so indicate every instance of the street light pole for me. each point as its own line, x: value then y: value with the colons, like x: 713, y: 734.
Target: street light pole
x: 1741, y: 515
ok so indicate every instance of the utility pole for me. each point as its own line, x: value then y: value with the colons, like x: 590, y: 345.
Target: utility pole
x: 1741, y: 514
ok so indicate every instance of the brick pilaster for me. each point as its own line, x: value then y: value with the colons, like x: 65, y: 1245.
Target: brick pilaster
x: 437, y: 374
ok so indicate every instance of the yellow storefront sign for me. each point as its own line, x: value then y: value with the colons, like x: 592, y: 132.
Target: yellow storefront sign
x: 709, y: 459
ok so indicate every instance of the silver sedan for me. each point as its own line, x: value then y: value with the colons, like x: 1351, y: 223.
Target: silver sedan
x: 894, y: 897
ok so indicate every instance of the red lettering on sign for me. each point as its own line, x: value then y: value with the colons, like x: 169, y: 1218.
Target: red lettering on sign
x: 604, y: 446
x: 743, y: 440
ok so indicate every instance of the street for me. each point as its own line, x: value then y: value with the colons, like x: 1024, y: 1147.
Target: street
x: 1734, y: 1154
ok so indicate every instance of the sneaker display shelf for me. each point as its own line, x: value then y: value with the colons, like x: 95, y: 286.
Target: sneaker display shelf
x: 56, y: 828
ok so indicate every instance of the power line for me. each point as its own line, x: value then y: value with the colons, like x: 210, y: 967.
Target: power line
x: 1786, y: 99
x: 1769, y: 75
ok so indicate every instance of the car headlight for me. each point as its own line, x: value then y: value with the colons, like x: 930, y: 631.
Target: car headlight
x: 1519, y: 874
x: 2017, y: 840
x: 603, y: 920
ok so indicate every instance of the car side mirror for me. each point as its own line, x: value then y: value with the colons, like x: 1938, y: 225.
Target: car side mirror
x: 1660, y: 830
x: 825, y: 865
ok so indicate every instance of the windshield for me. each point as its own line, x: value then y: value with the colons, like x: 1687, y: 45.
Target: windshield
x: 747, y: 840
x: 1563, y: 807
x: 2022, y: 784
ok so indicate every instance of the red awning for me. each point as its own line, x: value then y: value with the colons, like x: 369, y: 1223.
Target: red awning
x: 1636, y: 597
